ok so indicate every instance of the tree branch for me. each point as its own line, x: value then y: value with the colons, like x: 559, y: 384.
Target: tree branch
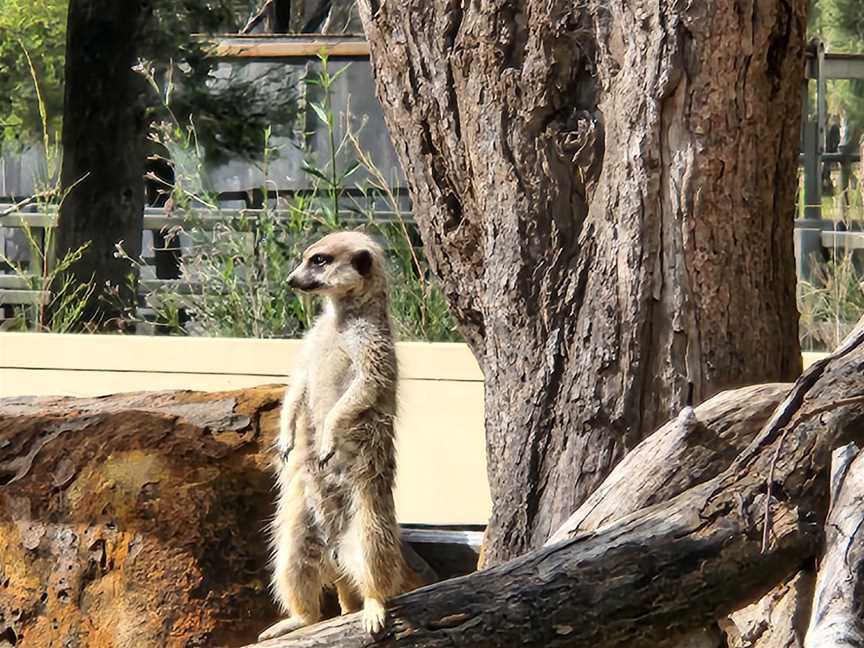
x: 28, y: 201
x: 838, y: 602
x: 676, y: 458
x: 256, y: 20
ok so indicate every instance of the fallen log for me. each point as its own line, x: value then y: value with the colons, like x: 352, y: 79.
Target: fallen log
x: 677, y: 457
x: 668, y: 569
x: 140, y: 520
x: 837, y: 619
x: 680, y: 455
x: 777, y: 620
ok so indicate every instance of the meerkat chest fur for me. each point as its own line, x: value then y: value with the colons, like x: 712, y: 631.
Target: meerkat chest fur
x: 330, y: 375
x: 356, y: 354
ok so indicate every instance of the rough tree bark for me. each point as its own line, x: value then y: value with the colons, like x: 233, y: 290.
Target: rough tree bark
x: 678, y: 457
x: 662, y: 571
x: 605, y: 190
x: 778, y: 620
x: 104, y: 126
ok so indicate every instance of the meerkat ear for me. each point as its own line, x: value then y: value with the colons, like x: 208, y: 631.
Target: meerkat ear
x: 362, y: 262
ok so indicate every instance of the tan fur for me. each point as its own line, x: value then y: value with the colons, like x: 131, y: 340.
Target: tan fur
x: 335, y: 523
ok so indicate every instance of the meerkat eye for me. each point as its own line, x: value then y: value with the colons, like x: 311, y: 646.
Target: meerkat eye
x: 320, y: 259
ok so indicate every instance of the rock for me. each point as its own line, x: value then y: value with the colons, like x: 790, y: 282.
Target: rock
x: 136, y: 520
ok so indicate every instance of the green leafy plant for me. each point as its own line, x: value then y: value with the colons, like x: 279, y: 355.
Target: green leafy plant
x: 418, y: 305
x: 234, y: 272
x: 32, y: 41
x: 58, y: 299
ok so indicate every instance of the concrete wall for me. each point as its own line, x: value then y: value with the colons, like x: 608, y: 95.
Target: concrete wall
x: 442, y: 465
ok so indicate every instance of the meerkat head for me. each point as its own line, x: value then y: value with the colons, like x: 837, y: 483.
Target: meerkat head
x: 342, y: 264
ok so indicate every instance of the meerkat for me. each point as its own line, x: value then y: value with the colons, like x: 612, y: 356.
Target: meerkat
x: 335, y: 524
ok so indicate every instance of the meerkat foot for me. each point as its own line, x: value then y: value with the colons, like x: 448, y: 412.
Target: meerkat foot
x: 373, y: 615
x: 280, y: 628
x: 326, y: 455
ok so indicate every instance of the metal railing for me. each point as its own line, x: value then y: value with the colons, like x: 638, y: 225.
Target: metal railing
x: 19, y: 290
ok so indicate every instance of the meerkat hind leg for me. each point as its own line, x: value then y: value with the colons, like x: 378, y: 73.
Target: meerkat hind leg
x: 349, y: 598
x: 371, y: 553
x: 298, y: 577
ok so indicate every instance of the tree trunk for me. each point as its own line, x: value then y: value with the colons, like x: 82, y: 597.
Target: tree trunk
x: 320, y: 16
x: 103, y: 150
x: 663, y: 571
x: 607, y: 193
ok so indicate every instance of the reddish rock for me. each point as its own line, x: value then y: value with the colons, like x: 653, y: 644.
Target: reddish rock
x: 135, y: 520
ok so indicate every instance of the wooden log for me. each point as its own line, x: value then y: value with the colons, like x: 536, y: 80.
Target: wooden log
x: 679, y: 456
x: 140, y: 520
x: 663, y: 571
x: 136, y: 520
x: 676, y: 457
x: 777, y: 620
x: 837, y: 618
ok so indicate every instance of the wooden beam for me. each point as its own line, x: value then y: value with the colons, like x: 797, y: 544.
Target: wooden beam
x: 845, y: 240
x: 289, y: 47
x: 14, y: 282
x: 24, y: 296
x: 156, y: 219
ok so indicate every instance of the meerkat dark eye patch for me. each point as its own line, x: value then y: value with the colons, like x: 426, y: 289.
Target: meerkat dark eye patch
x: 320, y: 259
x: 362, y: 262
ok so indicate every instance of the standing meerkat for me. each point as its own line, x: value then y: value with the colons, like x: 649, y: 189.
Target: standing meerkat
x: 335, y: 523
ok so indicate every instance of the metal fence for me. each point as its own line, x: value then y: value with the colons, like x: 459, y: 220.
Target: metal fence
x: 237, y: 182
x: 819, y: 236
x: 17, y: 290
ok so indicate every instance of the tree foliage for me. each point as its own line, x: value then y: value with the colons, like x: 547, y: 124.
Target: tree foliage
x: 37, y: 28
x: 840, y: 25
x: 236, y: 108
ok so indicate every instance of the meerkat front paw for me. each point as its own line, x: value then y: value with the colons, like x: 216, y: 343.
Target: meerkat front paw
x: 325, y: 455
x: 284, y: 448
x: 373, y: 615
x: 328, y: 446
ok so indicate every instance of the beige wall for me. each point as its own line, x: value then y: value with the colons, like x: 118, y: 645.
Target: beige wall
x: 442, y: 466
